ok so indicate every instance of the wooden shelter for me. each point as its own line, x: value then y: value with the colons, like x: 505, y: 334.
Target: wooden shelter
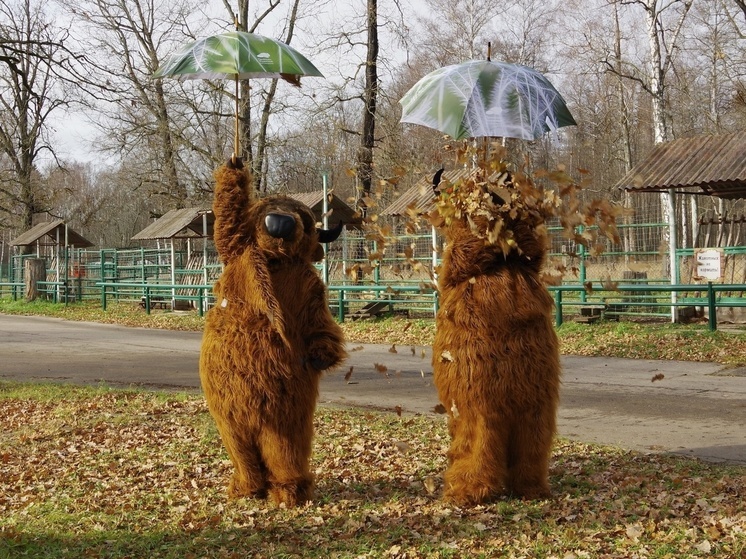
x: 711, y: 165
x: 58, y: 238
x: 189, y: 224
x: 705, y: 165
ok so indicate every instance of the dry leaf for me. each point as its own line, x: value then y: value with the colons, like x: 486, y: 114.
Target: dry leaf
x: 659, y: 376
x: 392, y: 349
x: 380, y: 368
x: 446, y: 356
x: 348, y: 374
x: 431, y: 485
x: 439, y: 408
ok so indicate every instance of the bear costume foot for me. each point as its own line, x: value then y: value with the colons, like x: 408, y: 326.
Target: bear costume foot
x: 292, y: 494
x: 239, y: 488
x: 466, y: 492
x: 530, y: 491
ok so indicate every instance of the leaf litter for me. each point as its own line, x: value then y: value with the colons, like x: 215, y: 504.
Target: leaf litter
x: 111, y: 473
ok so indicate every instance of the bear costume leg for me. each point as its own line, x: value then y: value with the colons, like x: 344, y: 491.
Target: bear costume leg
x: 238, y: 433
x: 286, y: 450
x: 477, y: 459
x: 530, y: 449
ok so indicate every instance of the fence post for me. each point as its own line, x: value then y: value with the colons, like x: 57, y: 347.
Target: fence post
x: 147, y: 299
x: 558, y: 307
x: 103, y: 296
x: 341, y: 306
x: 712, y: 319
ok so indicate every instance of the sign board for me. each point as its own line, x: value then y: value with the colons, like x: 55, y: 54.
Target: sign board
x: 709, y: 263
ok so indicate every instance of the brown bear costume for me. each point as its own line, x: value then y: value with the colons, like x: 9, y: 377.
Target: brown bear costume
x: 268, y: 339
x: 496, y: 364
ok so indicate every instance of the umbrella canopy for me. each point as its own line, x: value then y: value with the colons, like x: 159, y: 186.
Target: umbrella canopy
x: 486, y: 98
x: 239, y: 55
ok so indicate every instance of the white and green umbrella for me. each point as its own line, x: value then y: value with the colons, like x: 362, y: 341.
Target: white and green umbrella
x: 240, y: 56
x: 486, y: 98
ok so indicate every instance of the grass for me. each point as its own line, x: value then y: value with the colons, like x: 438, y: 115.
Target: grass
x: 97, y: 472
x: 679, y: 342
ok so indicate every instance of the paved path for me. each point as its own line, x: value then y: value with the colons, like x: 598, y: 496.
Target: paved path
x: 695, y: 409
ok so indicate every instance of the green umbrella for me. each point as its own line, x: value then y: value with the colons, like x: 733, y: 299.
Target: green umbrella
x: 238, y: 55
x: 486, y: 98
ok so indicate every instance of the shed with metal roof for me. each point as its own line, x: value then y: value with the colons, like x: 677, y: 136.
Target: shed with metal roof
x: 706, y: 165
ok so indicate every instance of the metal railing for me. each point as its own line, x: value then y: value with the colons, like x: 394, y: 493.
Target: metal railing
x: 344, y: 300
x: 152, y: 293
x: 615, y: 293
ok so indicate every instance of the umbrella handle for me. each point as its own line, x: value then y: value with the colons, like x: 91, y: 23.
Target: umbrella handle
x: 236, y: 139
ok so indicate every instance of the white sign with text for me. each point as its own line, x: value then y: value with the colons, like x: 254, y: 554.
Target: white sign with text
x: 709, y: 262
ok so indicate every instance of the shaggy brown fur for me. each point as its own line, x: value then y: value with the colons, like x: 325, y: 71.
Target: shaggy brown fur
x: 496, y: 366
x: 266, y: 342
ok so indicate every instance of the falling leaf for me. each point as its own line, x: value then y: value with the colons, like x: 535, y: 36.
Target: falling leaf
x: 380, y: 368
x: 422, y: 353
x: 446, y: 356
x: 439, y: 408
x: 357, y: 348
x: 392, y: 349
x: 659, y: 376
x: 398, y: 410
x: 348, y: 374
x: 407, y: 326
x: 414, y: 351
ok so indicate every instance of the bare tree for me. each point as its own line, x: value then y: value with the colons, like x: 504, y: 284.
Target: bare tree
x: 31, y: 54
x: 125, y: 40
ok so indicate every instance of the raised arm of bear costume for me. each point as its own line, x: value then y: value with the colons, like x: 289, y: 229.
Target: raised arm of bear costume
x: 496, y: 364
x: 268, y: 338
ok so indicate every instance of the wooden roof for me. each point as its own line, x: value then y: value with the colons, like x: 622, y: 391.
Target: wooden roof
x: 341, y: 211
x: 178, y: 224
x: 48, y: 233
x: 709, y: 165
x: 421, y: 196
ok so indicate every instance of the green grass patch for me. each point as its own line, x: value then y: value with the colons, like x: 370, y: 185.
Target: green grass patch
x: 90, y: 472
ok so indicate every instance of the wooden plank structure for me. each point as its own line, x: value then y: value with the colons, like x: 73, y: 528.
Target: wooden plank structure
x: 59, y: 237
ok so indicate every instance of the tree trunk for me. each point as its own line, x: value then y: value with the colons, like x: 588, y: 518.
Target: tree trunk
x: 370, y: 95
x: 35, y: 270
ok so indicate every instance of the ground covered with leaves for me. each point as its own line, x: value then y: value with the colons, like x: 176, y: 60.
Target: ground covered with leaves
x: 94, y: 472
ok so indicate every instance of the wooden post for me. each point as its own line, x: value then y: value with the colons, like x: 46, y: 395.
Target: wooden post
x: 35, y: 270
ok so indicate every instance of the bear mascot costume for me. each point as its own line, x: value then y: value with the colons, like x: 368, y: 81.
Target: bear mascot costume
x: 495, y: 355
x: 268, y: 339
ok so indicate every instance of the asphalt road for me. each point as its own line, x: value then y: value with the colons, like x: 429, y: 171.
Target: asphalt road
x: 694, y: 409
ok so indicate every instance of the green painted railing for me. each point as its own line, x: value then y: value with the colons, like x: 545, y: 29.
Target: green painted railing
x: 408, y: 296
x: 148, y: 293
x: 710, y: 299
